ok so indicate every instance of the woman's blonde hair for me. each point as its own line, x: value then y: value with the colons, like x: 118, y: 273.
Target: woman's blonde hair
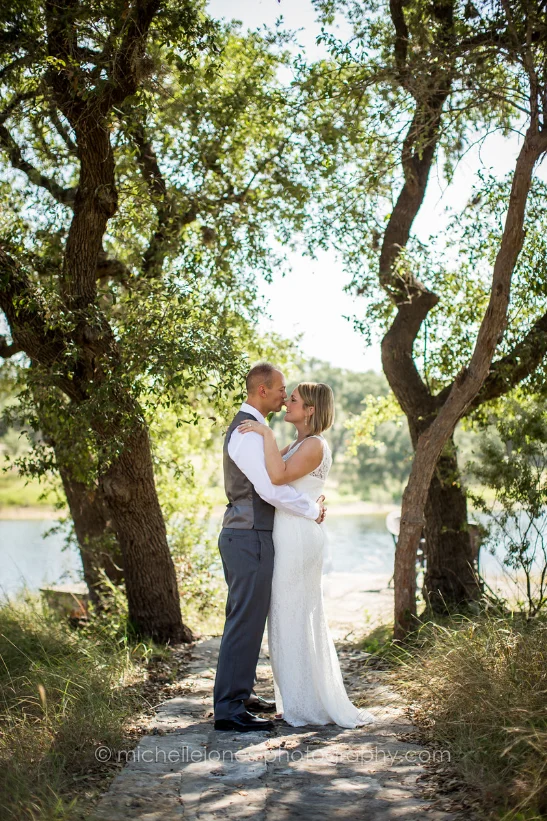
x: 321, y: 397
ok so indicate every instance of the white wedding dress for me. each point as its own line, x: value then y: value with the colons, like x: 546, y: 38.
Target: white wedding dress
x: 308, y: 682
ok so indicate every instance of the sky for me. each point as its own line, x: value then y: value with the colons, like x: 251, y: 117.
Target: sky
x: 311, y: 301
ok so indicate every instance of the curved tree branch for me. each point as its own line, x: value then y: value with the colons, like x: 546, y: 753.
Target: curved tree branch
x: 401, y: 38
x: 63, y: 131
x: 508, y: 371
x: 412, y: 298
x: 467, y: 384
x: 170, y: 218
x: 8, y: 349
x: 18, y: 62
x: 125, y: 74
x: 63, y: 195
x: 26, y: 316
x: 148, y: 163
x: 110, y: 268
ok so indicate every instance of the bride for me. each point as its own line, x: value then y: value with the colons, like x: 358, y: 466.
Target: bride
x: 308, y: 683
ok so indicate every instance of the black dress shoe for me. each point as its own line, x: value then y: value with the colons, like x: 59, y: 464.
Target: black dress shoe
x: 244, y: 723
x: 257, y: 704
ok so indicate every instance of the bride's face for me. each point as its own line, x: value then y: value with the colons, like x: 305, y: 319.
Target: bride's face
x: 296, y: 412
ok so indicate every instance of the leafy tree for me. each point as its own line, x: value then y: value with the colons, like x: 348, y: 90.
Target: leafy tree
x: 511, y: 461
x: 67, y: 72
x: 425, y: 80
x: 380, y: 468
x: 149, y: 154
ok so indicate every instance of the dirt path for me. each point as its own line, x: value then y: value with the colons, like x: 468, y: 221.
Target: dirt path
x: 184, y: 769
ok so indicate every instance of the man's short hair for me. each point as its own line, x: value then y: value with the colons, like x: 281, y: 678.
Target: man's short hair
x: 260, y: 374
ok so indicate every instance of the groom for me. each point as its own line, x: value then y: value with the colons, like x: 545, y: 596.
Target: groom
x: 247, y: 552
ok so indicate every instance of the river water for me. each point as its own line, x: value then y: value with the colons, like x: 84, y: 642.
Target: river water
x: 358, y: 544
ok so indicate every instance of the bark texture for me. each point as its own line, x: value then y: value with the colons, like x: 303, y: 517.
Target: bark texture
x: 450, y: 580
x: 97, y: 540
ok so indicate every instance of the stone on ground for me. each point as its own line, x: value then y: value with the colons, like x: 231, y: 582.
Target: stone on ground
x: 184, y: 769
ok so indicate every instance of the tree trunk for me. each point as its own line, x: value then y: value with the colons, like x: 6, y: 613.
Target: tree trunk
x: 99, y: 549
x: 450, y: 579
x: 150, y: 577
x: 97, y: 540
x: 128, y: 481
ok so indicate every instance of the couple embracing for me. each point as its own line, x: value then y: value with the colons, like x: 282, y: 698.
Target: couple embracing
x: 276, y: 507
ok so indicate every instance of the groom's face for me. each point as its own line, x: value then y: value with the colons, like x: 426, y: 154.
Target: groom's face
x: 276, y: 394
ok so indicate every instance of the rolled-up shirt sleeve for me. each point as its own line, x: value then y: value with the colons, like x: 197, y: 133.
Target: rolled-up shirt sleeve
x: 247, y: 451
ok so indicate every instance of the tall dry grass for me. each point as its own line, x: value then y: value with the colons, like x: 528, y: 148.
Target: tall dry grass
x: 479, y: 687
x: 62, y: 693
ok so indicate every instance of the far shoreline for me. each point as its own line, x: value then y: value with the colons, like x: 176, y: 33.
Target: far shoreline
x: 338, y: 508
x: 36, y: 512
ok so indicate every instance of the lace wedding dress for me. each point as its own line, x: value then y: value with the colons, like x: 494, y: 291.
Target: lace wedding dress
x: 308, y: 682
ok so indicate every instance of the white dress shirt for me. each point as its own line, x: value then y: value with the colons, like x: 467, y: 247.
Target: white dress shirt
x: 247, y: 451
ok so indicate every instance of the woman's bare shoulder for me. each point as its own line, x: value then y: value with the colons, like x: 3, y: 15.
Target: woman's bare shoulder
x: 311, y: 446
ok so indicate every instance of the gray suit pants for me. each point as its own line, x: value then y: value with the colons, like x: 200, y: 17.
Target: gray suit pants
x: 247, y: 559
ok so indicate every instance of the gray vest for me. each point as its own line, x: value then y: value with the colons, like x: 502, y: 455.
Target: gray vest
x: 246, y: 509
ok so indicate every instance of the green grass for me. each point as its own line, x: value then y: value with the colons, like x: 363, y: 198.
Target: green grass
x: 63, y: 692
x: 479, y: 687
x: 377, y: 639
x: 16, y: 491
